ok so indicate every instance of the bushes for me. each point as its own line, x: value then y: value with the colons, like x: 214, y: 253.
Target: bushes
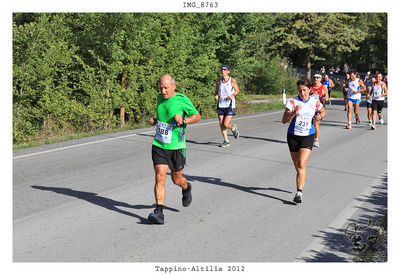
x: 271, y: 77
x: 79, y: 72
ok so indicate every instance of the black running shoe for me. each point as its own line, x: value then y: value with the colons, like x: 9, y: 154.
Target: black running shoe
x: 156, y: 217
x: 299, y: 197
x: 187, y: 195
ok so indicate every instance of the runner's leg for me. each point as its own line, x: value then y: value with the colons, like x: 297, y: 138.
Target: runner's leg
x: 316, y: 125
x: 222, y: 126
x: 369, y: 114
x: 227, y: 122
x: 178, y: 178
x: 300, y: 160
x: 356, y: 108
x: 159, y: 188
x: 374, y: 117
x: 349, y: 109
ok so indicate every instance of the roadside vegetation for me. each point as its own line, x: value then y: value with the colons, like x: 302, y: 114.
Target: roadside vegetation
x: 80, y: 74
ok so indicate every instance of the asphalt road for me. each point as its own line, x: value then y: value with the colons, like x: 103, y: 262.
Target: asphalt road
x: 88, y: 200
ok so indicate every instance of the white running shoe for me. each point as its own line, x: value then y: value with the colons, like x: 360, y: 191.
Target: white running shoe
x: 373, y: 127
x: 235, y: 131
x: 381, y: 120
x: 316, y: 143
x: 225, y: 144
x: 348, y: 126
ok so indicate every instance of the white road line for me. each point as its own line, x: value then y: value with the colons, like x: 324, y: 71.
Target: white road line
x: 120, y: 137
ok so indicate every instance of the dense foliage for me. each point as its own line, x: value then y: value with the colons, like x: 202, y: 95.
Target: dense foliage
x: 78, y: 72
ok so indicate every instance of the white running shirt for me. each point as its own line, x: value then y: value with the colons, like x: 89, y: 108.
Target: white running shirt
x: 353, y: 87
x: 377, y: 90
x: 225, y: 90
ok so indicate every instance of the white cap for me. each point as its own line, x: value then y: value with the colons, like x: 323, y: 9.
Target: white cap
x: 317, y: 76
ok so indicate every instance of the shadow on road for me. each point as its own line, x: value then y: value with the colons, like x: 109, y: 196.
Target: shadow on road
x: 104, y: 202
x: 336, y: 247
x: 217, y: 181
x: 212, y: 143
x: 265, y: 139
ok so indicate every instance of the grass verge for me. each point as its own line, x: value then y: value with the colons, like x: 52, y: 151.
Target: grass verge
x: 242, y: 108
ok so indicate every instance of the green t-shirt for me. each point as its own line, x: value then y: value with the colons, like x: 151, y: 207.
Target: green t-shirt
x: 168, y: 136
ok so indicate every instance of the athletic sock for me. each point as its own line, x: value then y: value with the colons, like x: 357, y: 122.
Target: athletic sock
x: 159, y: 208
x: 187, y: 187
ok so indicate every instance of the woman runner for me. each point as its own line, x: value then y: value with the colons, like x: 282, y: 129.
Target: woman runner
x: 302, y: 111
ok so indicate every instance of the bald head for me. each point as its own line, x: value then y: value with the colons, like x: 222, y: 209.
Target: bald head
x: 167, y: 86
x: 167, y: 78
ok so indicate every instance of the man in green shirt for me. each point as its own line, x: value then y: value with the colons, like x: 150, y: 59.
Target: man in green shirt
x: 174, y: 112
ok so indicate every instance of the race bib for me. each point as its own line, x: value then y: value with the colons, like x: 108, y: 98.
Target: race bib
x: 164, y: 132
x: 303, y: 123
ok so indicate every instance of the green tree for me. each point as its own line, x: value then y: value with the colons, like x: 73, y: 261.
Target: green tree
x: 315, y: 35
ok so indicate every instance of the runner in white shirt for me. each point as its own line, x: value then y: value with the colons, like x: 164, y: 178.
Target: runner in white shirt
x: 379, y: 91
x: 368, y: 93
x: 355, y: 88
x: 302, y: 111
x: 226, y: 91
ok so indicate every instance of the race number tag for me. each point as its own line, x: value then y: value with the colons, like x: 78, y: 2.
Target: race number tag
x: 303, y: 123
x: 164, y: 132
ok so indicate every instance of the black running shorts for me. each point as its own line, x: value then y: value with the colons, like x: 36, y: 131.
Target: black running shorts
x: 377, y: 105
x: 297, y: 142
x: 175, y: 159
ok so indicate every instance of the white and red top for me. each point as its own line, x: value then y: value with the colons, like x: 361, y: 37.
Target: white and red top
x: 303, y: 123
x: 377, y: 90
x: 317, y: 92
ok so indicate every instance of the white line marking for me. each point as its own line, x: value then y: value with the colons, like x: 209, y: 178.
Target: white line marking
x: 120, y: 137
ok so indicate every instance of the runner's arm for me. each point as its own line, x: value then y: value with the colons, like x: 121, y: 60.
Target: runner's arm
x: 385, y: 89
x: 326, y: 93
x: 289, y: 115
x: 321, y: 114
x: 362, y: 85
x: 235, y: 86
x: 216, y: 91
x: 189, y: 120
x: 153, y: 120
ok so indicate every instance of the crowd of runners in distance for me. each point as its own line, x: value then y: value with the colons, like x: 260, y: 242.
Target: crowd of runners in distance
x: 303, y: 112
x: 374, y: 87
